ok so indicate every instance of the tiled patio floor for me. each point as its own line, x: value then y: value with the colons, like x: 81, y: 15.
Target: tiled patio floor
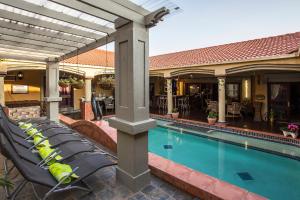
x: 106, y: 187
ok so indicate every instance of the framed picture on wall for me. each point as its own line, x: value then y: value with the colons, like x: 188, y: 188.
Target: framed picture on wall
x: 19, y: 89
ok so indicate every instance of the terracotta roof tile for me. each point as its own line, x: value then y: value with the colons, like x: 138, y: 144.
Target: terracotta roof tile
x: 280, y: 45
x: 240, y: 51
x: 96, y: 57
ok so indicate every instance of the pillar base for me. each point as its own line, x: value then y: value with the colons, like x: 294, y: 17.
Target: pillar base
x: 134, y: 183
x: 86, y: 111
x: 52, y: 111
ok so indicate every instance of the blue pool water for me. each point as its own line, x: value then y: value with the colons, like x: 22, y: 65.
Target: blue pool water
x: 269, y: 175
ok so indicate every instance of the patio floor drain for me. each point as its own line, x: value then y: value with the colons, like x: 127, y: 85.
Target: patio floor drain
x: 168, y: 146
x: 245, y: 176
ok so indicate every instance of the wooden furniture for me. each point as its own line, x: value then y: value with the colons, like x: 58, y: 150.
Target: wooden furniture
x: 162, y: 104
x: 212, y: 106
x: 109, y: 104
x: 234, y: 109
x: 257, y: 111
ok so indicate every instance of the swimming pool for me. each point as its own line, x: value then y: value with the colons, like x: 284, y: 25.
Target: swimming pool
x: 269, y: 175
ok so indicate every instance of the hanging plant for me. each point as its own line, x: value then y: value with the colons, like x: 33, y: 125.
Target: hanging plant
x: 106, y: 82
x: 79, y: 84
x: 64, y: 83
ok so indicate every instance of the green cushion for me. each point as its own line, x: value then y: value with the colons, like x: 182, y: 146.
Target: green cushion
x: 46, y: 151
x: 33, y: 131
x: 23, y: 125
x: 60, y: 171
x: 37, y: 139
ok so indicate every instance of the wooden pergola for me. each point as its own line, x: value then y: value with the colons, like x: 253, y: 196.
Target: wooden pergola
x: 64, y: 28
x: 53, y: 30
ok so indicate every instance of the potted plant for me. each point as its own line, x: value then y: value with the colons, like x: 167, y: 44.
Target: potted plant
x: 212, y: 117
x: 175, y: 113
x: 291, y: 129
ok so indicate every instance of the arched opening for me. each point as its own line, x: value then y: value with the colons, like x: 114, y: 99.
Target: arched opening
x: 193, y: 87
x: 269, y: 93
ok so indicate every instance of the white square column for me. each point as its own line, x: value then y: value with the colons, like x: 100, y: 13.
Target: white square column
x: 132, y: 104
x: 52, y: 90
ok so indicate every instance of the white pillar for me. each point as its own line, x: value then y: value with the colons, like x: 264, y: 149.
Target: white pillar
x: 52, y: 91
x: 169, y: 96
x: 88, y: 89
x: 222, y: 99
x: 2, y: 97
x: 132, y: 104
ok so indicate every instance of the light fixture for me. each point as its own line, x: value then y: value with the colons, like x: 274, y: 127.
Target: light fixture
x: 246, y: 88
x: 20, y: 75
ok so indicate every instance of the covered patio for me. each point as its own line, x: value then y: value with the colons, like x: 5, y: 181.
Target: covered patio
x: 247, y: 88
x: 52, y: 31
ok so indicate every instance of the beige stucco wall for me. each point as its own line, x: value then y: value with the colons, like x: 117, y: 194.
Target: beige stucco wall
x: 31, y: 78
x: 78, y: 94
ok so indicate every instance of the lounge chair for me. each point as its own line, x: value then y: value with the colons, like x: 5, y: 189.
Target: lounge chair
x: 67, y: 151
x: 83, y: 167
x: 18, y: 135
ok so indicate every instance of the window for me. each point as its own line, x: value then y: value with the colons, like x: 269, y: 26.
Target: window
x: 233, y: 91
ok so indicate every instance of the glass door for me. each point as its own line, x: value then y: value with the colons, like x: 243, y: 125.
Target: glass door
x: 279, y: 100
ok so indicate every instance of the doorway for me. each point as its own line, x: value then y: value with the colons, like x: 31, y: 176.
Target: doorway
x: 284, y: 100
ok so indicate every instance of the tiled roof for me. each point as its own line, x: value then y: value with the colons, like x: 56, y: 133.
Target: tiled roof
x: 96, y: 57
x: 280, y: 45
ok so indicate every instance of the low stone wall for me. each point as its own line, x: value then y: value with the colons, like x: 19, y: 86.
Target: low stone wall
x: 98, y: 131
x: 93, y: 131
x: 24, y: 112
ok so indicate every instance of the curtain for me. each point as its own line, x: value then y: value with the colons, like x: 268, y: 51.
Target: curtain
x: 275, y: 90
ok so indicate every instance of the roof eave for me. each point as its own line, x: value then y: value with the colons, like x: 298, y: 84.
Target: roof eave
x: 293, y: 55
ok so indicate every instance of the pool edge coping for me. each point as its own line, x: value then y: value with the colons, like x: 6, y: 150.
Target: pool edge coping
x: 268, y: 136
x: 196, y: 183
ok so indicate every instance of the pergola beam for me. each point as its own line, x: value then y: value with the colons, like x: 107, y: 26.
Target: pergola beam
x: 18, y: 48
x: 102, y: 41
x: 41, y: 23
x: 23, y: 5
x: 27, y: 35
x: 22, y: 57
x: 35, y: 31
x: 79, y: 6
x: 56, y: 47
x: 29, y: 46
x: 123, y: 9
